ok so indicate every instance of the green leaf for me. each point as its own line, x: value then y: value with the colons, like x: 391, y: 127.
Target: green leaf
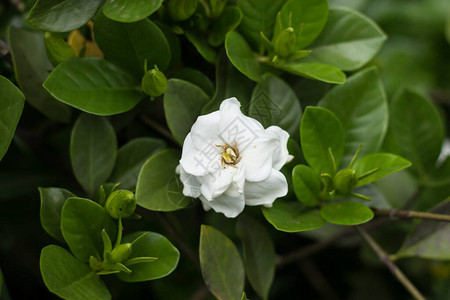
x: 346, y: 213
x: 259, y: 254
x: 273, y: 102
x: 52, y: 201
x: 258, y: 16
x: 348, y: 41
x: 94, y: 85
x: 202, y: 46
x: 386, y: 162
x: 62, y: 16
x: 130, y: 159
x: 361, y: 106
x: 228, y: 21
x: 306, y: 17
x: 82, y: 222
x: 418, y: 129
x: 429, y: 239
x: 57, y: 49
x: 292, y: 216
x: 242, y: 57
x: 68, y: 277
x: 158, y: 187
x: 221, y: 264
x: 315, y: 71
x: 183, y: 103
x: 306, y: 185
x: 11, y: 106
x: 320, y: 130
x: 195, y: 77
x: 31, y: 70
x: 130, y: 44
x: 130, y: 10
x: 93, y: 151
x: 151, y: 245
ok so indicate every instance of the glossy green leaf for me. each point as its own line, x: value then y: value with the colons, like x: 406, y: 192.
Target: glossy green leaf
x: 82, y: 222
x: 242, y: 56
x: 151, y: 245
x: 130, y: 44
x: 259, y: 254
x: 94, y: 85
x: 201, y: 44
x: 228, y: 21
x: 68, y: 277
x: 306, y: 17
x: 273, y: 102
x: 320, y: 130
x: 346, y: 213
x: 52, y: 201
x: 31, y: 70
x: 306, y: 185
x: 292, y: 216
x: 316, y: 71
x: 429, y: 238
x: 62, y: 16
x: 196, y: 77
x: 93, y: 151
x: 386, y: 162
x: 221, y: 264
x: 158, y: 187
x: 361, y: 106
x: 130, y: 159
x: 130, y: 10
x: 418, y: 129
x: 183, y: 103
x: 348, y: 41
x: 11, y: 106
x: 258, y: 16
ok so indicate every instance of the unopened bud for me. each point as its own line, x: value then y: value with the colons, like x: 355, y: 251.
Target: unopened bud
x: 284, y: 43
x: 154, y: 83
x: 120, y: 204
x: 120, y: 253
x: 345, y: 181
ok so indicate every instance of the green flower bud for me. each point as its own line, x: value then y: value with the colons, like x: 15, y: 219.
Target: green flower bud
x: 180, y: 10
x: 58, y: 50
x: 154, y: 83
x: 120, y: 253
x: 285, y: 42
x: 120, y: 204
x: 345, y: 181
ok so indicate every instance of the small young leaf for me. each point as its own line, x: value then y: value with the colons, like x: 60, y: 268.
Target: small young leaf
x: 316, y: 71
x: 228, y: 21
x: 346, y: 213
x: 130, y: 10
x: 222, y: 267
x: 306, y: 185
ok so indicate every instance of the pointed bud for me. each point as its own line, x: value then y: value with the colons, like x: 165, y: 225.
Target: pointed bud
x: 120, y: 204
x: 285, y: 42
x: 120, y: 253
x: 345, y: 181
x: 58, y: 50
x: 154, y: 83
x: 180, y: 10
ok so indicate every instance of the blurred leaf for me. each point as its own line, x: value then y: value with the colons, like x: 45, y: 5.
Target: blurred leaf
x: 183, y: 103
x: 158, y: 187
x: 228, y: 21
x: 292, y: 216
x: 385, y: 162
x: 11, y: 106
x: 130, y: 10
x: 315, y: 71
x: 201, y: 44
x: 346, y: 213
x: 52, y: 201
x: 68, y: 277
x: 241, y: 56
x: 82, y: 222
x: 259, y: 254
x: 397, y: 188
x: 320, y: 130
x: 196, y: 77
x: 31, y: 69
x: 273, y: 102
x: 361, y: 106
x: 130, y: 159
x: 222, y: 267
x: 306, y: 185
x: 57, y: 49
x: 418, y: 129
x: 258, y: 16
x: 62, y: 16
x: 151, y: 245
x: 348, y: 41
x: 306, y: 17
x: 93, y: 151
x: 130, y: 44
x: 94, y: 85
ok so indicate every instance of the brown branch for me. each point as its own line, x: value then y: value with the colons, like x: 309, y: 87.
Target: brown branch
x: 158, y: 128
x: 411, y: 214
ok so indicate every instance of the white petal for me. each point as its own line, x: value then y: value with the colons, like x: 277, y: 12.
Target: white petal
x: 281, y: 154
x: 215, y: 184
x: 258, y: 157
x: 231, y: 207
x: 236, y: 188
x: 206, y: 132
x: 197, y: 162
x: 266, y: 191
x: 191, y: 185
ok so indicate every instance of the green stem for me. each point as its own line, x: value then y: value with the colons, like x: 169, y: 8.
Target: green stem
x: 411, y: 214
x: 119, y: 233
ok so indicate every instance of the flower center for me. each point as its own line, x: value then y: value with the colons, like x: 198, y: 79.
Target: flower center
x: 230, y: 155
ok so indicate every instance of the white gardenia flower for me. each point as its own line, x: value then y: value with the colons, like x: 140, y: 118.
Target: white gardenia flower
x: 229, y: 160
